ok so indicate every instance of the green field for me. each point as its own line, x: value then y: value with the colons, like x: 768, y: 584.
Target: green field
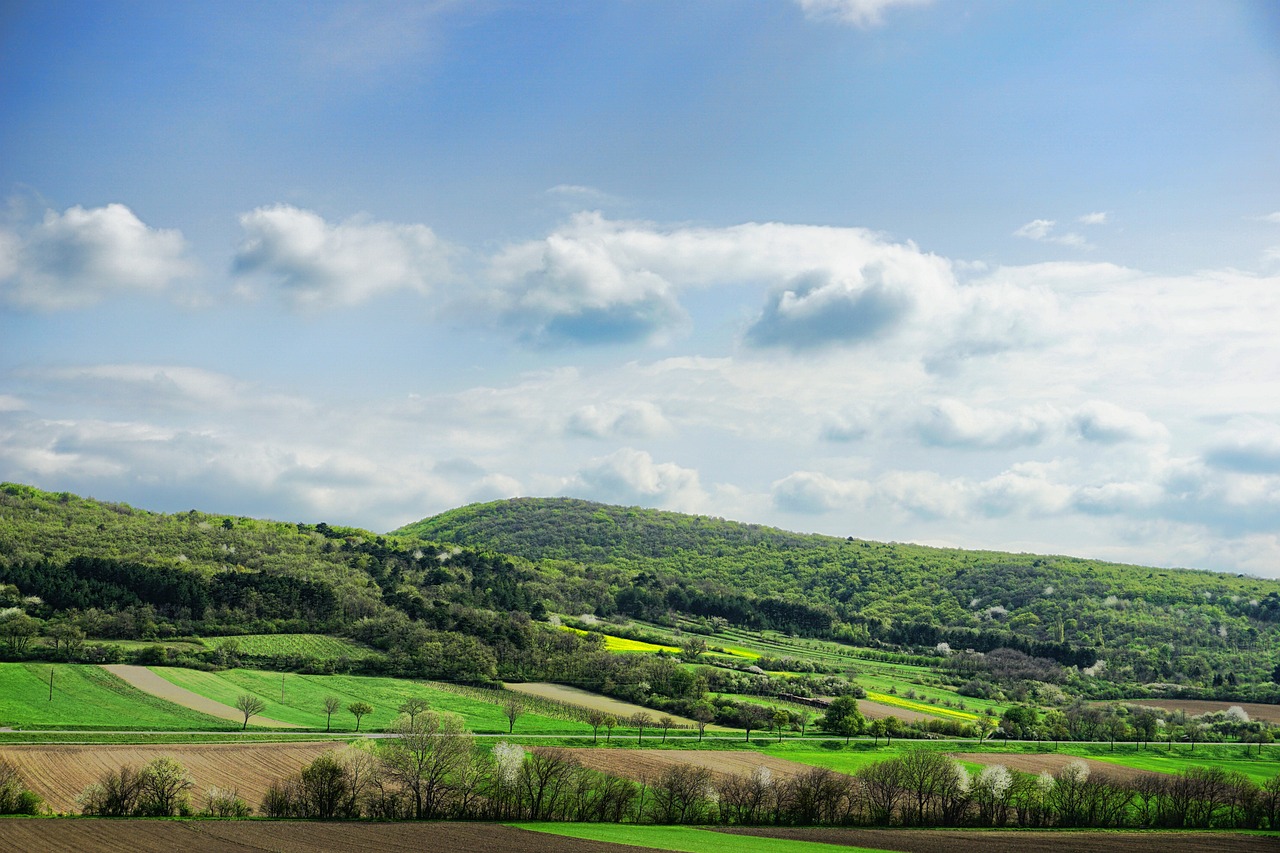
x: 622, y: 644
x: 685, y: 838
x: 314, y: 646
x: 304, y: 699
x: 86, y: 697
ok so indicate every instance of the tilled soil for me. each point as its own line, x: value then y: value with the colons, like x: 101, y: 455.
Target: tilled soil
x: 1195, y: 707
x: 152, y: 836
x: 648, y: 764
x: 1021, y: 841
x: 1051, y: 761
x: 58, y: 773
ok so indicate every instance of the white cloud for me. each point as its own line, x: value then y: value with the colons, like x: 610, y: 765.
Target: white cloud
x: 1273, y: 218
x: 1107, y: 423
x: 633, y: 419
x: 631, y: 477
x: 1254, y: 450
x: 1042, y: 230
x: 951, y: 423
x: 82, y: 256
x: 859, y: 13
x: 1097, y: 218
x: 812, y: 493
x: 315, y: 264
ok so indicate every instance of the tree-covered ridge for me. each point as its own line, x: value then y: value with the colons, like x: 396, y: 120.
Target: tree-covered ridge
x: 1148, y: 624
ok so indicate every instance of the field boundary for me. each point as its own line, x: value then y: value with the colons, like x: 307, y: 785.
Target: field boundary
x: 148, y: 682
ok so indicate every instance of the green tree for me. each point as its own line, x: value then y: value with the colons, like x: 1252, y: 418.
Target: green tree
x: 360, y: 709
x: 843, y: 718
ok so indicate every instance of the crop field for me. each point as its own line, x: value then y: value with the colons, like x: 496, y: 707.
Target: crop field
x: 684, y: 838
x: 313, y: 646
x: 60, y: 773
x: 1255, y: 710
x: 1019, y: 841
x: 304, y: 697
x: 921, y: 707
x: 648, y: 764
x: 586, y: 699
x: 622, y: 644
x: 24, y: 835
x: 87, y: 697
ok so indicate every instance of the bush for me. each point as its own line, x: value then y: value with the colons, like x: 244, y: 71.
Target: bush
x: 15, y: 797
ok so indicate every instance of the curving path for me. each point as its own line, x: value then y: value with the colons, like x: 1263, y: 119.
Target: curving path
x: 148, y: 682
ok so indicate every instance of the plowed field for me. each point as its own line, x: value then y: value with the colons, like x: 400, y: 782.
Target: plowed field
x: 60, y: 772
x: 1051, y: 761
x: 138, y: 836
x: 1195, y: 707
x: 879, y: 710
x: 1000, y: 841
x: 648, y: 764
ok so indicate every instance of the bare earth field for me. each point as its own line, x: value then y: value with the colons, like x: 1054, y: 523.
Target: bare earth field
x: 587, y: 699
x: 60, y: 772
x: 142, y: 836
x: 637, y: 764
x: 878, y: 711
x: 1255, y: 710
x: 1020, y: 841
x: 148, y: 682
x: 1051, y: 761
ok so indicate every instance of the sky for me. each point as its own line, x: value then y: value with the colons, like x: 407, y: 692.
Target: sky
x: 998, y: 274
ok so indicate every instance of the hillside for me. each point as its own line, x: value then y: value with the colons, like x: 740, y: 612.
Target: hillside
x: 1150, y: 625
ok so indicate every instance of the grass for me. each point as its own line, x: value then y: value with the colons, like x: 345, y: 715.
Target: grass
x: 685, y: 838
x: 304, y: 699
x: 921, y: 707
x: 313, y: 646
x: 622, y: 644
x: 86, y: 697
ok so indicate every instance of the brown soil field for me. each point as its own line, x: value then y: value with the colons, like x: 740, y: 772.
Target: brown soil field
x: 648, y: 764
x: 148, y: 836
x: 587, y: 699
x: 58, y: 773
x: 1255, y: 710
x: 878, y: 711
x: 1051, y: 761
x: 148, y: 682
x: 1019, y: 841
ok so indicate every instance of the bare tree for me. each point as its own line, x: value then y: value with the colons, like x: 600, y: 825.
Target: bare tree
x: 666, y: 723
x: 595, y: 718
x: 425, y: 756
x: 513, y: 707
x: 412, y: 707
x: 701, y: 715
x: 640, y: 719
x: 248, y: 704
x: 681, y: 794
x: 331, y: 705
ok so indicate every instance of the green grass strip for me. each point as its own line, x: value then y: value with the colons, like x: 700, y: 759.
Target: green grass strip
x: 686, y: 839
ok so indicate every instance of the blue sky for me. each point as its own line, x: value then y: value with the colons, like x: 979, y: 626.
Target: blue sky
x: 986, y: 274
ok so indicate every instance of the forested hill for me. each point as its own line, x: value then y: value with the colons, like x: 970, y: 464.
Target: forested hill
x: 1160, y: 624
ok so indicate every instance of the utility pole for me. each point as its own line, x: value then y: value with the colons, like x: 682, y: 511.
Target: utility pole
x: 282, y: 688
x: 50, y: 684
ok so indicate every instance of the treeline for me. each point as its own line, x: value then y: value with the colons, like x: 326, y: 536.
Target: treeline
x: 434, y: 770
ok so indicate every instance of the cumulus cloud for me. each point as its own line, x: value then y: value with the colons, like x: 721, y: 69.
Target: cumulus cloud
x: 631, y: 477
x: 951, y: 423
x: 859, y: 13
x: 1107, y: 423
x: 1097, y: 218
x: 1042, y: 231
x: 813, y: 493
x: 632, y: 419
x: 82, y: 256
x: 1251, y: 451
x: 315, y: 264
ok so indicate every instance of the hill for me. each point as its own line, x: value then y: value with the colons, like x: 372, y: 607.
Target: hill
x: 1186, y: 627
